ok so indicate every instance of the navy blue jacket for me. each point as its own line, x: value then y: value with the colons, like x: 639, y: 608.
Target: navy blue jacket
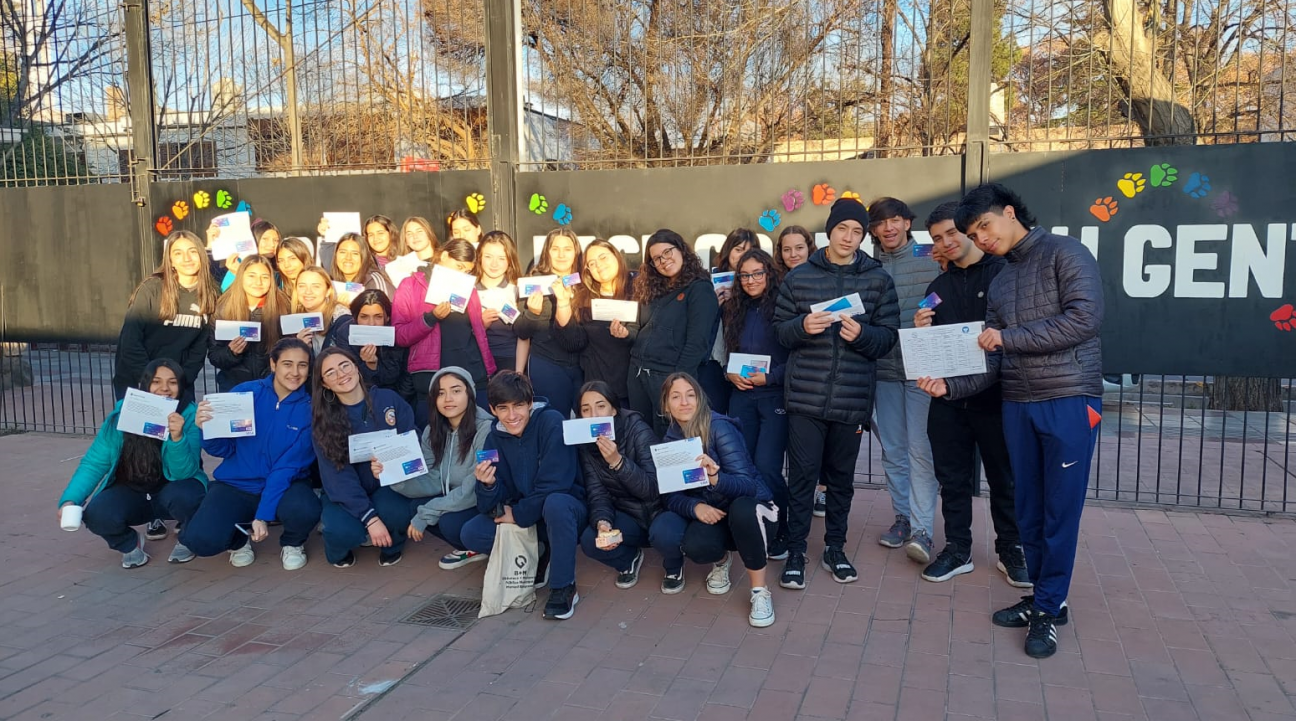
x: 279, y: 453
x: 531, y: 467
x: 353, y: 485
x: 738, y: 477
x: 759, y: 337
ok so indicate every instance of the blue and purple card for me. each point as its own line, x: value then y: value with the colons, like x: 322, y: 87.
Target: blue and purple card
x: 242, y: 426
x: 313, y: 322
x: 601, y: 430
x: 458, y: 303
x: 412, y: 467
x: 923, y: 250
x: 750, y: 371
x: 930, y: 302
x: 153, y: 430
x: 491, y: 455
x: 250, y: 332
x: 695, y: 476
x: 509, y: 312
x: 572, y: 279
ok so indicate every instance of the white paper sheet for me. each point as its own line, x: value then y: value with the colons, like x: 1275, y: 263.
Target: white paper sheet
x: 942, y: 351
x: 448, y: 284
x: 293, y: 323
x: 677, y: 466
x: 233, y: 416
x: 503, y: 300
x: 847, y: 305
x: 588, y: 430
x: 340, y: 224
x: 401, y: 458
x: 360, y: 445
x: 346, y: 292
x: 626, y: 311
x: 722, y: 281
x: 744, y: 364
x: 403, y: 267
x: 528, y: 285
x: 145, y: 414
x: 231, y: 329
x: 362, y: 335
x: 235, y: 236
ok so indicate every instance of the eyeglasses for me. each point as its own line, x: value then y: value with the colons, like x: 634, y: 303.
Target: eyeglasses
x: 341, y: 369
x: 744, y: 277
x: 655, y: 261
x: 602, y: 261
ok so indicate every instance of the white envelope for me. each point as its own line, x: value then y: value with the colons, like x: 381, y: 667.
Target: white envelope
x: 847, y: 305
x: 340, y: 224
x: 677, y: 467
x: 294, y: 323
x: 360, y: 445
x: 401, y: 458
x: 235, y: 236
x: 145, y: 414
x: 526, y: 286
x: 231, y: 329
x: 233, y: 415
x: 626, y: 311
x: 448, y: 284
x: 588, y: 430
x: 403, y: 267
x: 503, y: 300
x: 362, y: 335
x: 739, y: 361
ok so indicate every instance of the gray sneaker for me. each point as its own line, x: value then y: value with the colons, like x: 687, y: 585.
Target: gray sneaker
x: 919, y: 548
x: 180, y: 554
x: 897, y: 534
x: 136, y: 557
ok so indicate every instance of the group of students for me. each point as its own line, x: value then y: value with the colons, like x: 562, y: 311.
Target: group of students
x: 471, y: 381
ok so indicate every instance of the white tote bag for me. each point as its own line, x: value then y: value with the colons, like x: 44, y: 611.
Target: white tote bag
x: 510, y: 574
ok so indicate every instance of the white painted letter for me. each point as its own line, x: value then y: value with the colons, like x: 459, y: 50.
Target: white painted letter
x: 1142, y: 280
x: 1248, y: 258
x: 1188, y: 261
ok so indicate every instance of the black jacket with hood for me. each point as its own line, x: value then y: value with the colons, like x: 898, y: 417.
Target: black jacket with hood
x: 632, y: 488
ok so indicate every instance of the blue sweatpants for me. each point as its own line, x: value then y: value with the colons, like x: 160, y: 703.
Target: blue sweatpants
x: 559, y: 384
x: 665, y: 535
x: 765, y: 429
x: 559, y: 528
x: 1051, y: 444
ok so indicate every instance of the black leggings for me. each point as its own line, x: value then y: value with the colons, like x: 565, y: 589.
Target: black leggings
x: 746, y: 526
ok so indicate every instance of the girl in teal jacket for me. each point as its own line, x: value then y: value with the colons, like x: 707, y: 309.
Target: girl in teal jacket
x: 128, y: 480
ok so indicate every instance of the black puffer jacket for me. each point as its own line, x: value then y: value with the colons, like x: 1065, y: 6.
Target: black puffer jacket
x: 738, y: 477
x: 827, y: 377
x: 632, y: 489
x: 1048, y: 303
x: 235, y: 368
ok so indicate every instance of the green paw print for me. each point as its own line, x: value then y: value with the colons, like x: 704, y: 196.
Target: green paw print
x: 538, y: 204
x: 223, y: 199
x: 1163, y: 176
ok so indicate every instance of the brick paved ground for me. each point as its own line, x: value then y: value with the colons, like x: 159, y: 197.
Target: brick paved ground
x: 1175, y: 616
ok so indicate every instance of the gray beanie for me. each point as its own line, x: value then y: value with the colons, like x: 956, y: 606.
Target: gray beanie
x: 462, y: 373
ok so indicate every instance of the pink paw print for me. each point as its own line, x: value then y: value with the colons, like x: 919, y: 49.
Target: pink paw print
x: 1284, y: 318
x: 793, y: 199
x: 1225, y: 205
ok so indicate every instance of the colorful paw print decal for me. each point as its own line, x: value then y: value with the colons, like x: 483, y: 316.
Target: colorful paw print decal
x: 770, y: 220
x: 1162, y: 175
x: 1284, y: 318
x: 852, y: 195
x: 792, y: 200
x: 1104, y: 208
x: 476, y: 202
x: 538, y: 204
x: 244, y: 207
x: 201, y: 200
x: 1197, y: 185
x: 224, y: 200
x: 823, y: 194
x: 563, y: 214
x: 1226, y: 205
x: 1131, y: 185
x: 164, y: 225
x: 180, y: 209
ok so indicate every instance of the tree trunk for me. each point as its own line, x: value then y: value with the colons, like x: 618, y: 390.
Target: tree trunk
x: 1245, y: 394
x: 1132, y: 56
x: 886, y: 86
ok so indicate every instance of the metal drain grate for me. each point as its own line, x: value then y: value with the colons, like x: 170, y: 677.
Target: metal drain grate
x: 442, y: 611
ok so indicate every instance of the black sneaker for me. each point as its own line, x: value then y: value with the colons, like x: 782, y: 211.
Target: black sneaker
x: 389, y: 560
x: 1041, y: 639
x: 156, y: 530
x: 793, y: 571
x: 836, y: 563
x: 1012, y: 564
x: 347, y: 561
x: 629, y: 577
x: 777, y: 550
x: 1018, y: 614
x: 949, y: 563
x: 820, y: 509
x: 673, y: 582
x: 562, y: 603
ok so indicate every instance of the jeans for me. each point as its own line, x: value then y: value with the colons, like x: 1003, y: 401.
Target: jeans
x: 665, y: 535
x: 558, y: 384
x: 820, y: 452
x: 112, y: 512
x: 211, y: 530
x: 957, y: 434
x: 559, y: 528
x: 765, y: 428
x: 449, y: 527
x: 645, y: 396
x: 745, y: 528
x: 343, y: 532
x: 901, y: 412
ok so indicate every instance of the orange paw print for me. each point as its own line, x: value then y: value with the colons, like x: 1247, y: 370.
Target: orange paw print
x: 1104, y: 208
x: 1284, y: 318
x: 164, y: 225
x: 180, y: 210
x: 823, y: 194
x: 852, y: 195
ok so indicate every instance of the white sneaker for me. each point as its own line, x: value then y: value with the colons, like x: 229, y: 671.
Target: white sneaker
x: 293, y: 557
x: 762, y: 609
x: 243, y: 556
x: 718, y: 578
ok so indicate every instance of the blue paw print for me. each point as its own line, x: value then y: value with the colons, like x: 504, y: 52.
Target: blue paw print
x: 1198, y: 185
x: 244, y: 207
x: 769, y: 220
x: 563, y: 214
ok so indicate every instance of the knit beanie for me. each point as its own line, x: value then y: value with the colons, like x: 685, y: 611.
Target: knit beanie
x: 463, y: 375
x: 847, y: 209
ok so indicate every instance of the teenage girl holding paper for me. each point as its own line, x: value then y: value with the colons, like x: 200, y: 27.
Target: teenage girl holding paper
x: 263, y: 477
x: 604, y: 346
x: 712, y: 373
x: 381, y: 238
x: 252, y: 298
x: 314, y: 293
x: 356, y: 506
x: 353, y: 263
x: 732, y: 512
x: 385, y: 366
x: 293, y: 257
x: 463, y: 224
x: 436, y: 335
x: 498, y: 270
x: 555, y: 368
x: 757, y: 399
x: 126, y: 480
x: 168, y: 315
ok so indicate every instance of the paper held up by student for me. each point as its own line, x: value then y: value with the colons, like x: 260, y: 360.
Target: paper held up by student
x: 346, y: 292
x: 942, y: 351
x: 235, y: 236
x: 677, y: 466
x: 339, y: 224
x: 360, y: 445
x: 747, y: 364
x: 231, y: 329
x: 233, y: 416
x: 845, y: 306
x: 294, y: 323
x: 722, y: 281
x: 530, y: 284
x: 503, y: 300
x: 448, y: 284
x: 145, y: 414
x: 403, y: 267
x: 626, y: 311
x: 401, y: 458
x: 363, y: 335
x: 588, y: 430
